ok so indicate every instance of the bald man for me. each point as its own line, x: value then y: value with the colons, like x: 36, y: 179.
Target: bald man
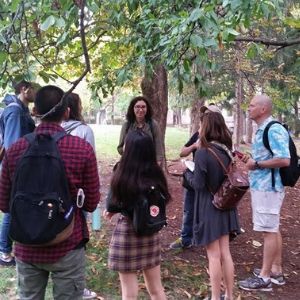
x: 266, y: 199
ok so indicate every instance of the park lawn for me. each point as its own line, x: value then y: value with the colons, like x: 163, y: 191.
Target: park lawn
x: 107, y: 139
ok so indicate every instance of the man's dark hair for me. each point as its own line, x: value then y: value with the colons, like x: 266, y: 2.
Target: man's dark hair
x: 23, y: 83
x: 46, y: 99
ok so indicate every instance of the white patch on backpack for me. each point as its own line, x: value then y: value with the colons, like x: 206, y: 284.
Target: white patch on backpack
x: 154, y: 211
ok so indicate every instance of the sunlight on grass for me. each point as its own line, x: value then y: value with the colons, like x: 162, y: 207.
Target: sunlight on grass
x: 107, y: 139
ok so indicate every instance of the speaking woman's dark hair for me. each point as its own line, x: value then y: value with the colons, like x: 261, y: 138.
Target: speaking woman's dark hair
x: 213, y: 128
x: 137, y: 170
x: 73, y: 101
x: 130, y: 116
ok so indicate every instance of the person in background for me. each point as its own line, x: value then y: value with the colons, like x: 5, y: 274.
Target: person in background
x: 139, y: 117
x: 76, y: 126
x: 65, y: 261
x: 136, y: 172
x: 186, y: 236
x: 213, y: 227
x: 15, y: 122
x: 266, y: 200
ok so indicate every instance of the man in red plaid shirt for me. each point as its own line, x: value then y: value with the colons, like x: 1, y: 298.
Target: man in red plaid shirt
x: 66, y: 260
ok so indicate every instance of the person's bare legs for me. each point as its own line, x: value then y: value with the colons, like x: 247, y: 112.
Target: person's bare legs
x: 215, y: 269
x: 227, y: 266
x: 269, y: 253
x: 277, y: 263
x: 153, y: 283
x: 129, y: 286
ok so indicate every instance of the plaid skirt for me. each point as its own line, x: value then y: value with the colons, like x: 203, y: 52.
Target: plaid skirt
x: 129, y: 252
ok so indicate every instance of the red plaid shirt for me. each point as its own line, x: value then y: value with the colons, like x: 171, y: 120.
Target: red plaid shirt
x: 82, y: 172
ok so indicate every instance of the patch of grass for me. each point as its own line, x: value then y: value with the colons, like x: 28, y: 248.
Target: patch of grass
x: 175, y: 139
x: 107, y: 139
x: 7, y: 280
x: 183, y: 280
x: 99, y: 278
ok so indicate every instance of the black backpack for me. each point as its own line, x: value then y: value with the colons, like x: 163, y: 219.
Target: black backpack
x: 42, y: 211
x: 149, y: 212
x: 289, y: 175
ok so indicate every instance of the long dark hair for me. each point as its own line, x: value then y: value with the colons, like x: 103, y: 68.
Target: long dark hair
x: 73, y: 101
x: 213, y: 128
x: 137, y: 170
x: 130, y: 116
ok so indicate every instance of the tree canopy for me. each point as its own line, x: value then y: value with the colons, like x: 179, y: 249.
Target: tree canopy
x: 111, y: 42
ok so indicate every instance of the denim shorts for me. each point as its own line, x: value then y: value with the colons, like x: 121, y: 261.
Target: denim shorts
x: 266, y: 208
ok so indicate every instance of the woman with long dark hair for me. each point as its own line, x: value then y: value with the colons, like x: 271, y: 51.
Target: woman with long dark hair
x: 214, y: 227
x: 139, y: 117
x: 136, y: 172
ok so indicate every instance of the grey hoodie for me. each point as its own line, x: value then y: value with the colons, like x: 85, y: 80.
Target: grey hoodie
x: 77, y: 128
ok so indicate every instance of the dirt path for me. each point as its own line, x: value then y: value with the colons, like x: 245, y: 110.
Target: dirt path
x: 246, y: 248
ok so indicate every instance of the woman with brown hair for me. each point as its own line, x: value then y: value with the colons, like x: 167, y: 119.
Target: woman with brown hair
x: 75, y: 125
x: 214, y: 227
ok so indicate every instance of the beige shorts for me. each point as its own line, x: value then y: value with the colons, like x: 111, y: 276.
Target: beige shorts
x: 266, y: 208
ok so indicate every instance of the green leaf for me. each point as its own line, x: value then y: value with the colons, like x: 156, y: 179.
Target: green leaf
x: 196, y: 40
x: 14, y: 4
x: 187, y: 65
x: 60, y: 22
x: 232, y: 31
x: 251, y: 52
x: 210, y: 42
x: 195, y: 15
x: 50, y: 21
x: 3, y: 57
x: 62, y: 38
x: 121, y: 77
x: 44, y: 76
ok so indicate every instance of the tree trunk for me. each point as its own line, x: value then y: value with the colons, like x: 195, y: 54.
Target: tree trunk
x: 155, y: 88
x: 296, y: 118
x: 113, y: 99
x: 238, y: 121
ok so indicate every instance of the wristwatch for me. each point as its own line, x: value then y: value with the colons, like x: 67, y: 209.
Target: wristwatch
x: 257, y: 166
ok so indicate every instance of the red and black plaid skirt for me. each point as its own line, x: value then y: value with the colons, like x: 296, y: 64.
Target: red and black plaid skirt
x: 129, y: 252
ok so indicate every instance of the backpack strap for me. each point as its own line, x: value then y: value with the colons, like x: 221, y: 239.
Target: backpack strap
x: 150, y: 125
x: 57, y: 136
x: 226, y: 170
x: 30, y: 137
x: 72, y: 128
x: 219, y: 160
x: 267, y: 145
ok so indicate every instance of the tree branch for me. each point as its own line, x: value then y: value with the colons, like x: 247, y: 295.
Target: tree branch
x: 268, y: 42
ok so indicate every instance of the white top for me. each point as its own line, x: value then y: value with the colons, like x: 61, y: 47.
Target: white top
x: 77, y: 128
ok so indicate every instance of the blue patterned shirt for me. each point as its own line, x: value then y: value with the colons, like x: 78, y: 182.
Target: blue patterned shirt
x: 261, y: 179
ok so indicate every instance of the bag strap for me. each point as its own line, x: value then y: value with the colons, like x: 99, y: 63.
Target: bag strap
x: 219, y: 160
x: 72, y: 128
x: 267, y: 145
x: 30, y: 137
x: 221, y: 163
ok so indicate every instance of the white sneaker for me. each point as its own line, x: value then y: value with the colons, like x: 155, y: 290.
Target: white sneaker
x: 7, y: 260
x: 88, y: 294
